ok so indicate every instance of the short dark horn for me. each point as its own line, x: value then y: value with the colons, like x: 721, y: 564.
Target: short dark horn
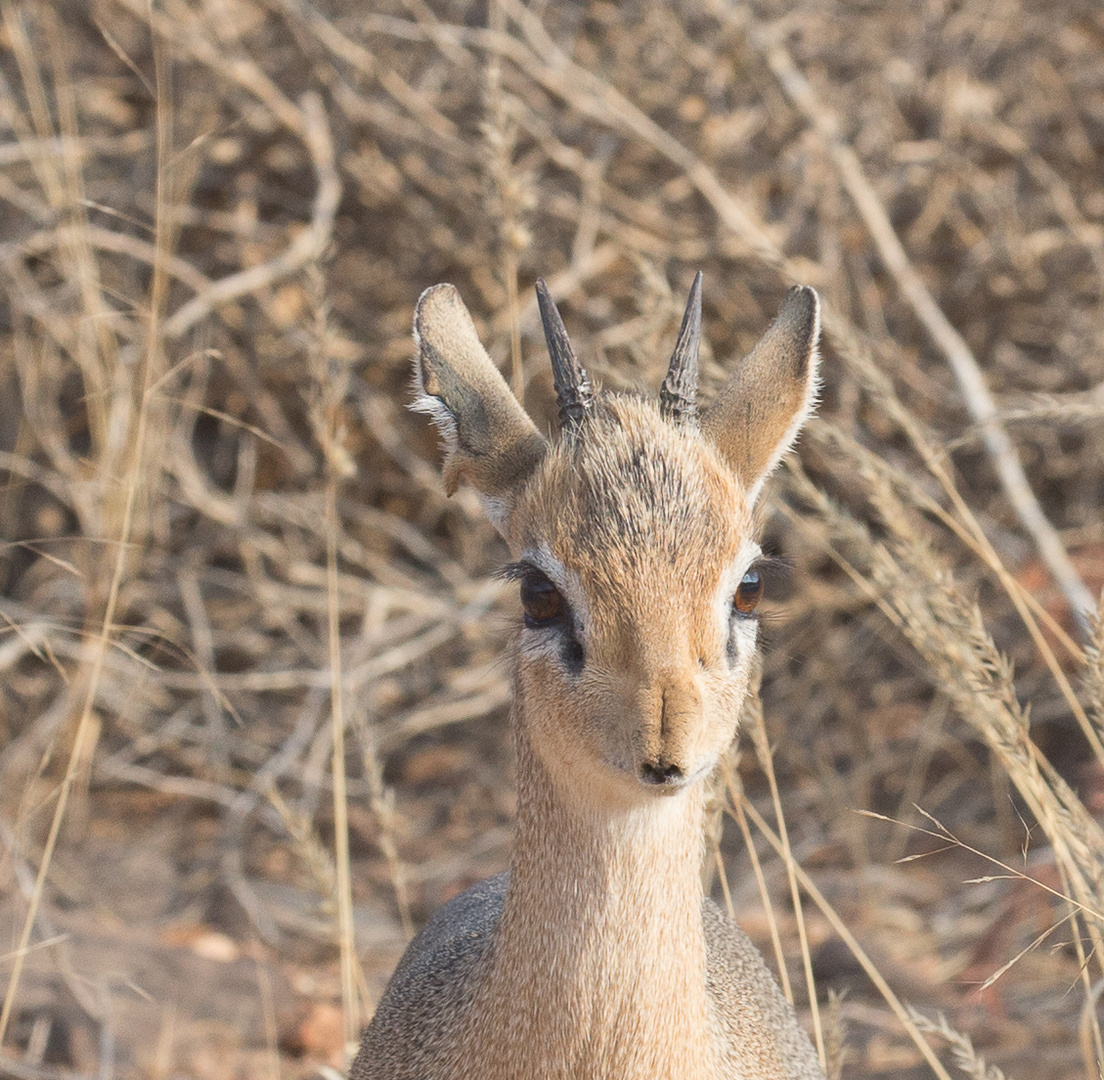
x: 679, y: 389
x: 573, y: 389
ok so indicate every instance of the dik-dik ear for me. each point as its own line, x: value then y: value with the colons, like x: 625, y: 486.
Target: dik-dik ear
x: 489, y: 439
x: 760, y: 408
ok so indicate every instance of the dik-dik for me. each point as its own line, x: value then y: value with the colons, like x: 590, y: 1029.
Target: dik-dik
x: 596, y: 957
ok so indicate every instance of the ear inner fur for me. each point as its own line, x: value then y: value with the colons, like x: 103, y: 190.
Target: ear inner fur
x: 489, y: 438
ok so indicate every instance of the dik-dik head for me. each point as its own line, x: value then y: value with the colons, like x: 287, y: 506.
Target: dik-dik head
x: 631, y: 532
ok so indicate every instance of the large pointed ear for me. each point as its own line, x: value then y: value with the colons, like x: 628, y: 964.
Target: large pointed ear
x: 489, y: 439
x: 760, y: 408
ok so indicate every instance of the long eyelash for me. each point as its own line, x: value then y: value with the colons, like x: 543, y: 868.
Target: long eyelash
x: 773, y: 567
x: 514, y: 571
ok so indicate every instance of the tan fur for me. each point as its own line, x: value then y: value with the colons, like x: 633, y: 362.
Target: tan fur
x: 760, y: 409
x: 599, y: 960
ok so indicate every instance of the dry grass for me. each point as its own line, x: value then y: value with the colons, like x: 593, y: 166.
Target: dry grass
x: 252, y: 712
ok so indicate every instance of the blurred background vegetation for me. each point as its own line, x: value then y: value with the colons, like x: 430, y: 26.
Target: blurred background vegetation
x: 239, y: 618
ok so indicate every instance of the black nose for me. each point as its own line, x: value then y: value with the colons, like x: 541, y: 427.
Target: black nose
x: 658, y: 773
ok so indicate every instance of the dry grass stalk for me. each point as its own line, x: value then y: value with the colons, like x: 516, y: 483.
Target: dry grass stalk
x: 950, y: 634
x: 330, y: 390
x: 129, y: 459
x: 382, y: 802
x: 511, y: 195
x: 736, y: 807
x: 869, y: 967
x: 1092, y: 678
x: 1032, y: 613
x: 761, y: 742
x: 1092, y: 1049
x: 315, y: 856
x: 965, y: 1056
x: 836, y: 1045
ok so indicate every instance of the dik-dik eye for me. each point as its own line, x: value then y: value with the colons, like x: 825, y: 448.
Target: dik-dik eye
x: 748, y: 594
x: 540, y: 599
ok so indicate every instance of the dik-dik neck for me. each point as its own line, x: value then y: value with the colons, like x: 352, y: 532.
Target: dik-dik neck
x: 598, y: 967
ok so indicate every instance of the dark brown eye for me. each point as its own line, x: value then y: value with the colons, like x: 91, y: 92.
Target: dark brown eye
x: 748, y: 593
x: 540, y: 599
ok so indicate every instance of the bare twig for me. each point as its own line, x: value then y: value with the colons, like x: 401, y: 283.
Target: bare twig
x: 967, y: 371
x: 306, y: 245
